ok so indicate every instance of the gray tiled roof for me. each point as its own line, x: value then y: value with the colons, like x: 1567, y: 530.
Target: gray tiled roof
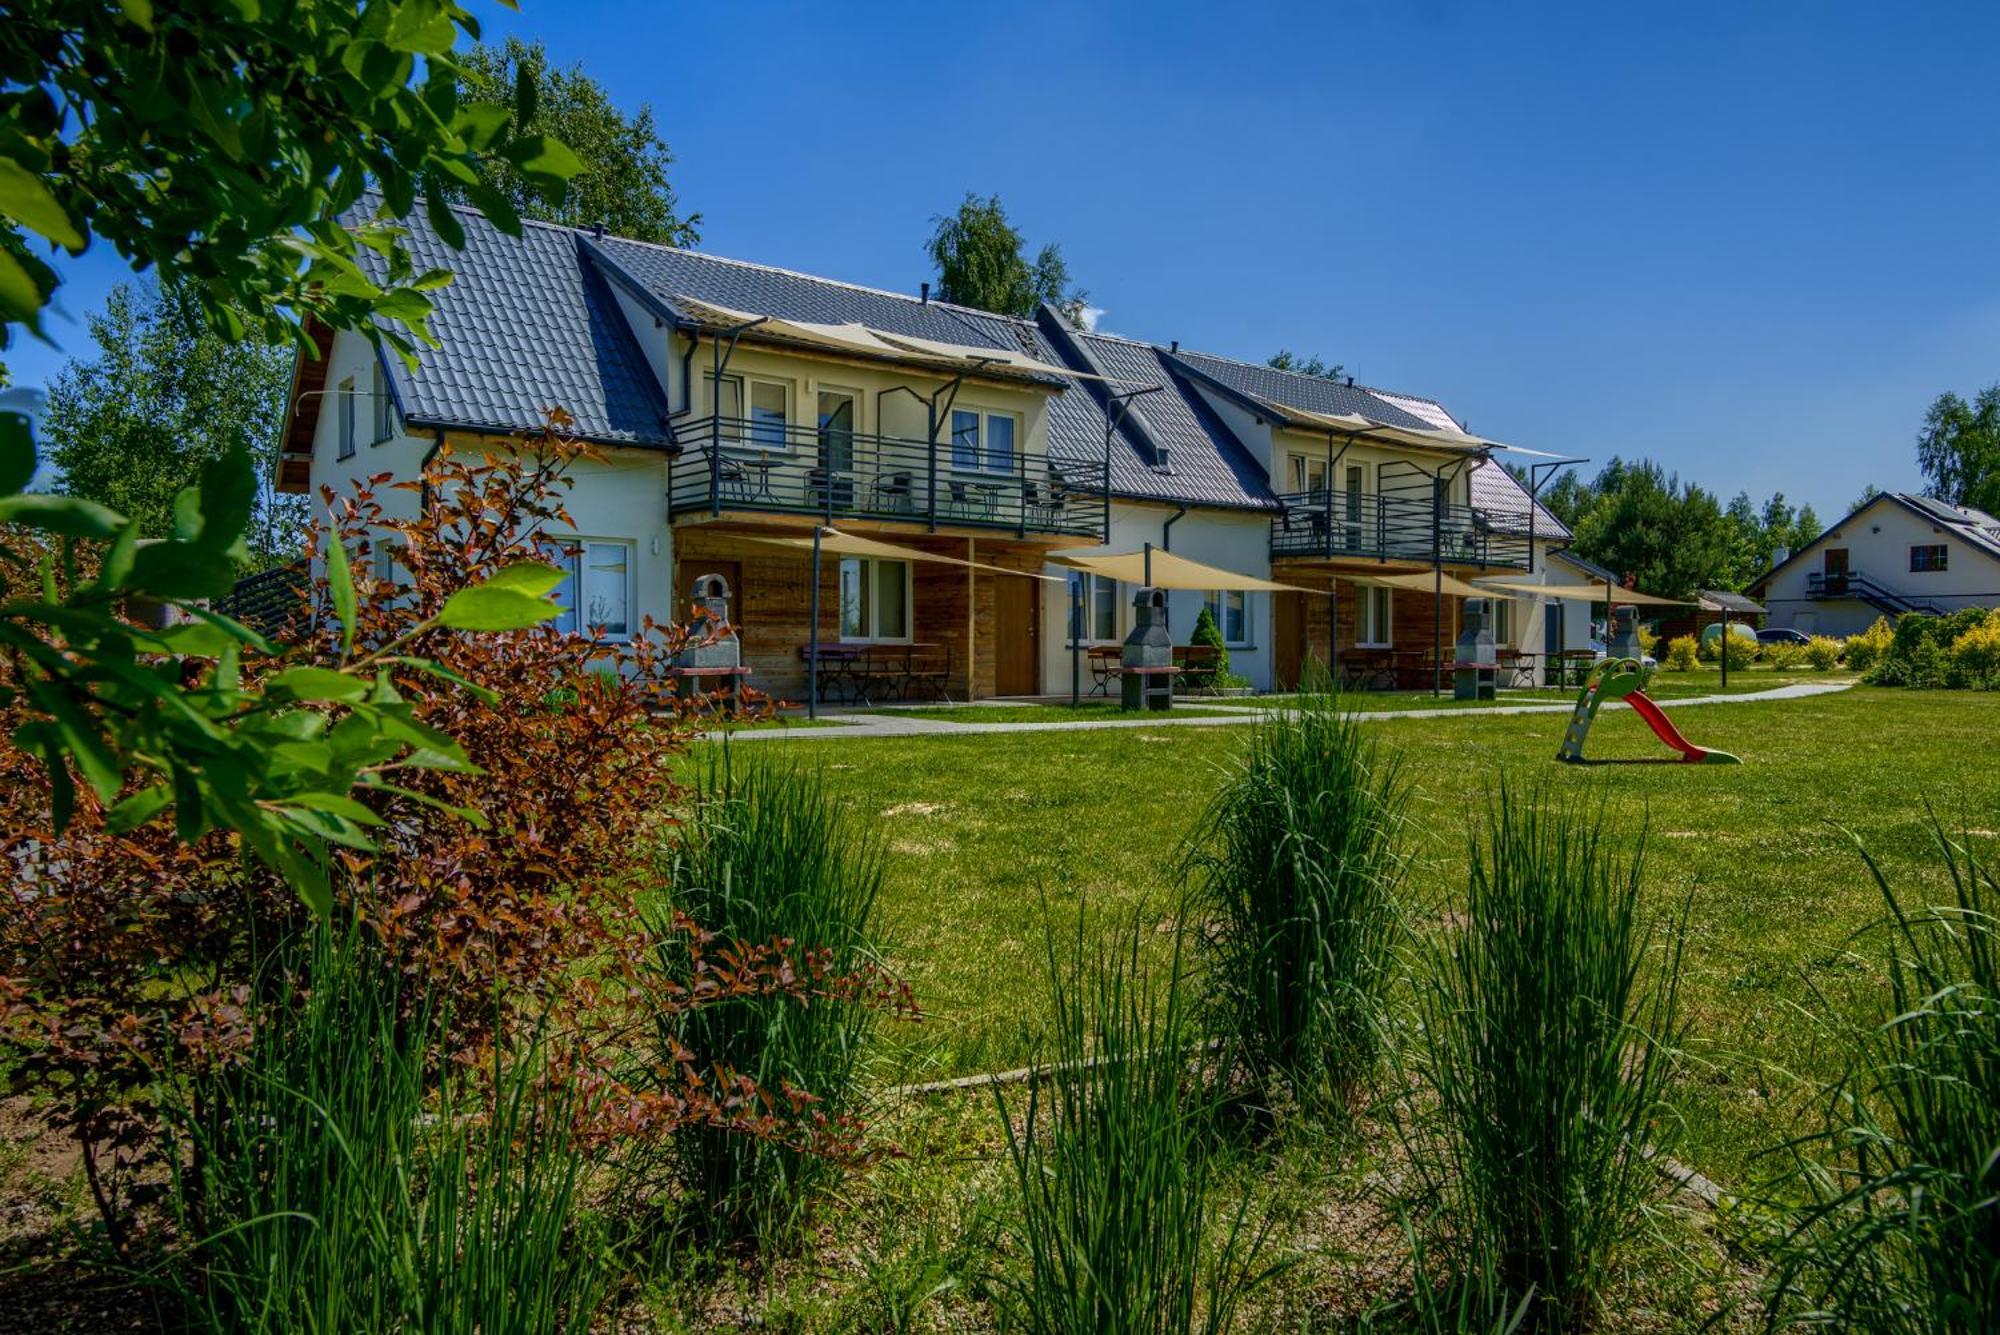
x: 1501, y: 495
x: 525, y: 324
x: 1313, y: 393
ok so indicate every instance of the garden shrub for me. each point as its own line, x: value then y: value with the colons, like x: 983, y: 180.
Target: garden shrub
x: 1206, y: 632
x: 1649, y: 641
x: 1976, y: 653
x: 1783, y: 655
x: 1683, y: 654
x: 1297, y: 870
x: 766, y: 854
x: 1900, y: 1230
x: 1863, y: 651
x: 1120, y: 1221
x: 1740, y: 650
x: 1822, y: 653
x: 1545, y: 1037
x: 1914, y: 656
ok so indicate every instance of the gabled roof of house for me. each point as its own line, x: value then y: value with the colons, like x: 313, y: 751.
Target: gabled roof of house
x: 526, y: 324
x: 1314, y: 393
x: 1497, y: 491
x: 1977, y: 529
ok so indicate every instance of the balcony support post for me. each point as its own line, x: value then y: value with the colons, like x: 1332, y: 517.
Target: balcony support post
x: 1121, y: 403
x: 719, y: 355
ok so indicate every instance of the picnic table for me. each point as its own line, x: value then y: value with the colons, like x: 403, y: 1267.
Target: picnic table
x: 863, y: 673
x: 1518, y: 665
x: 687, y: 682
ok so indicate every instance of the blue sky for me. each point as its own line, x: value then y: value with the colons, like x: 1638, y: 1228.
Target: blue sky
x: 1749, y: 241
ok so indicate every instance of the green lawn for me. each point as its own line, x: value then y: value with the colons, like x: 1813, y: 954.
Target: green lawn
x: 985, y: 830
x: 1664, y: 686
x: 1088, y: 710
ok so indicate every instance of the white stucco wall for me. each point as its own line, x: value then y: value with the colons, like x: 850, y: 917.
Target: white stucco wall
x: 620, y: 495
x: 1878, y: 541
x: 1230, y: 540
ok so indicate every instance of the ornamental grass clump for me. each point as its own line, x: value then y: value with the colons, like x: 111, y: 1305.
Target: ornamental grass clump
x: 1901, y: 1227
x: 339, y: 1176
x: 1545, y: 1039
x: 1119, y: 1219
x: 1296, y: 874
x: 766, y: 854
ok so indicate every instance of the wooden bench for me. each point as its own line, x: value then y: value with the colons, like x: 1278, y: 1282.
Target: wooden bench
x: 1199, y: 665
x: 687, y: 682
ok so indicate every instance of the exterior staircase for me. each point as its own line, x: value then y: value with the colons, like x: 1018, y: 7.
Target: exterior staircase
x: 1879, y: 596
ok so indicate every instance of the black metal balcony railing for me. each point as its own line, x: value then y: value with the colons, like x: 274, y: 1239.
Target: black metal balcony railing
x: 1854, y: 584
x: 1395, y: 528
x: 738, y: 465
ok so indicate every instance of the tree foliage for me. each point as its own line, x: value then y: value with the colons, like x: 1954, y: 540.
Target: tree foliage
x: 225, y: 143
x: 1673, y: 537
x: 623, y: 182
x: 1959, y: 449
x: 164, y: 396
x: 982, y: 262
x: 1284, y: 359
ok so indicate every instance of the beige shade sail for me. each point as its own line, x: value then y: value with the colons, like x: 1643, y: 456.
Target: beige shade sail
x: 1587, y: 593
x: 1169, y: 572
x: 1453, y: 442
x: 1422, y: 582
x: 860, y: 340
x: 834, y: 542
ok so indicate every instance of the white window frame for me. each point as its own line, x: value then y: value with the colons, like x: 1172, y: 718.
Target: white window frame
x: 570, y: 593
x: 1218, y: 608
x: 1302, y: 472
x: 1362, y: 614
x: 868, y: 566
x: 1085, y: 606
x: 382, y: 408
x: 1506, y: 622
x: 983, y: 419
x: 344, y: 420
x: 740, y: 430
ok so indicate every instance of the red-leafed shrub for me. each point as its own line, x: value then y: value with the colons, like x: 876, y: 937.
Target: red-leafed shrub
x: 503, y: 891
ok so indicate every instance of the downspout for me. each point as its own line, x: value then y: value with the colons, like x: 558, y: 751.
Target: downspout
x: 1167, y: 529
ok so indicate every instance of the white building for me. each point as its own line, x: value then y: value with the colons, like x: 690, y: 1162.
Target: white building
x: 734, y: 402
x: 1897, y: 553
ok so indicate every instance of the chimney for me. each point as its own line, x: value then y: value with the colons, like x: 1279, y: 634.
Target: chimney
x: 1350, y: 382
x: 926, y: 297
x: 1175, y: 349
x: 597, y: 231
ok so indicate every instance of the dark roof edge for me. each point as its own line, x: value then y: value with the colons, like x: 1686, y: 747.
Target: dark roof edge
x: 1248, y: 402
x: 616, y: 274
x: 663, y: 444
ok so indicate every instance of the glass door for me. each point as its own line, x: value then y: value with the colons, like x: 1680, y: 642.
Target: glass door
x: 836, y: 445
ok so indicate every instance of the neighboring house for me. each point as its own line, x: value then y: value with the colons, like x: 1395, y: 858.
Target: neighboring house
x: 734, y: 401
x: 1897, y: 553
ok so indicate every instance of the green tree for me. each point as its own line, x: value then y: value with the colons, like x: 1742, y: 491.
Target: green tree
x: 982, y: 262
x: 623, y: 182
x: 1868, y: 493
x: 1805, y: 528
x: 1672, y: 538
x: 163, y: 396
x: 226, y: 143
x: 1959, y: 449
x: 1284, y: 359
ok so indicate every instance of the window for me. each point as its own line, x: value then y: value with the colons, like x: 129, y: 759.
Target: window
x: 836, y: 429
x: 874, y: 599
x: 1355, y: 489
x: 770, y: 405
x: 346, y: 397
x: 1308, y: 475
x: 728, y: 402
x: 385, y: 409
x: 1503, y: 620
x: 1373, y: 620
x: 964, y: 439
x: 999, y: 430
x: 596, y: 591
x: 1096, y: 599
x: 1231, y: 610
x: 1930, y: 557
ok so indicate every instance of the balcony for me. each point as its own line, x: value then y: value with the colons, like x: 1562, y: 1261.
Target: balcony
x: 1395, y: 528
x: 738, y: 466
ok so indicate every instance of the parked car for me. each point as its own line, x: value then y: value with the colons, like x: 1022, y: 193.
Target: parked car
x: 1781, y: 635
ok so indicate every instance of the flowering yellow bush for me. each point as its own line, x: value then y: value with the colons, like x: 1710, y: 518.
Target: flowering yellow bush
x: 1682, y: 654
x: 1822, y: 653
x: 1648, y: 641
x: 1866, y: 649
x: 1784, y: 655
x: 1977, y: 652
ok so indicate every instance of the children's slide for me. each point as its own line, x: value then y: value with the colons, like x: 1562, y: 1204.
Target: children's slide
x: 1621, y: 679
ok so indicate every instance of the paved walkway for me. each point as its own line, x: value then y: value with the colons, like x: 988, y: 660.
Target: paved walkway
x: 890, y: 725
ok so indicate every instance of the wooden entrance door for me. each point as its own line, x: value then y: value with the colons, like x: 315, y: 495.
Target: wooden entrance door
x: 1017, y: 634
x: 1836, y: 570
x: 1288, y: 640
x: 687, y: 572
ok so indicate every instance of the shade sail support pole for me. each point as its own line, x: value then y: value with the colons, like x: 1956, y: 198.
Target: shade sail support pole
x: 1075, y: 640
x: 812, y: 635
x: 1121, y: 403
x: 719, y: 355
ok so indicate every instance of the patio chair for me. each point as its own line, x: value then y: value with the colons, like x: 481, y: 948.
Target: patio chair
x: 735, y: 480
x: 964, y: 503
x: 1199, y: 666
x: 1042, y: 506
x: 890, y: 493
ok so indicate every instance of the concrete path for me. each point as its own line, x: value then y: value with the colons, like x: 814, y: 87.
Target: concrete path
x: 889, y: 725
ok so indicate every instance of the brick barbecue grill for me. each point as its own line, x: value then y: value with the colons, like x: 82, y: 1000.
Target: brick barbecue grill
x: 1475, y: 673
